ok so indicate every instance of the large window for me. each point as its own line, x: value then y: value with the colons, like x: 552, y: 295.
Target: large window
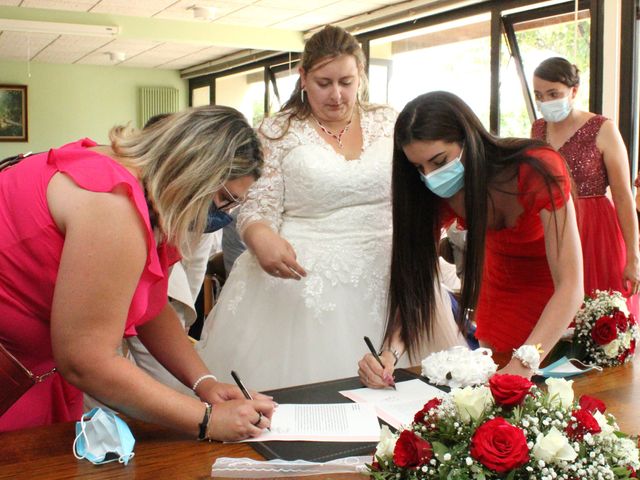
x: 538, y: 39
x: 286, y: 83
x: 245, y: 92
x: 454, y: 51
x: 450, y: 56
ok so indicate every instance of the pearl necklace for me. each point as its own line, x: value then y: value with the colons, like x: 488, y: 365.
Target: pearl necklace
x: 338, y: 136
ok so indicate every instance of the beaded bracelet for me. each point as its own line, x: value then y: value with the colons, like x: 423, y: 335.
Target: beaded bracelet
x: 202, y: 435
x: 203, y: 377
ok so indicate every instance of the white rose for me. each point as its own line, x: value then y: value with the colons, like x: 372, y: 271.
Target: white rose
x: 560, y: 391
x: 472, y: 402
x: 626, y: 339
x: 611, y: 349
x: 553, y: 447
x: 618, y: 301
x: 387, y: 443
x: 607, y: 430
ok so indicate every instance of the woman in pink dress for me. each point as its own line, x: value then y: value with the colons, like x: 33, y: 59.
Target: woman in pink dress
x: 597, y: 158
x: 87, y: 234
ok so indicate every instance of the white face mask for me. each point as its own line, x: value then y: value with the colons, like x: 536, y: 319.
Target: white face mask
x: 555, y: 110
x: 102, y: 437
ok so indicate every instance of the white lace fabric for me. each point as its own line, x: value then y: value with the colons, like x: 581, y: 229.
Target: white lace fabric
x: 266, y: 201
x: 336, y: 214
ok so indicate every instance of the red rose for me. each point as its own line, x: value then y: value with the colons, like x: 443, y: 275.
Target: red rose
x: 411, y: 451
x: 509, y: 390
x: 375, y: 466
x: 632, y: 347
x: 632, y: 318
x: 584, y: 423
x: 605, y: 330
x: 591, y: 404
x: 621, y: 320
x: 425, y: 412
x: 633, y: 473
x: 499, y: 446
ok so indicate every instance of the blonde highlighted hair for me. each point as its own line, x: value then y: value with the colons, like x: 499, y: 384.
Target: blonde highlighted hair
x: 185, y: 159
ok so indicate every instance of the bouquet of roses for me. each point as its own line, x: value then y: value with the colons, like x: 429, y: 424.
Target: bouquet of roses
x: 605, y: 332
x: 509, y: 429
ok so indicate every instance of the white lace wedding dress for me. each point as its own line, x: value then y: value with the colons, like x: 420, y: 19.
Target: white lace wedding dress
x: 336, y: 214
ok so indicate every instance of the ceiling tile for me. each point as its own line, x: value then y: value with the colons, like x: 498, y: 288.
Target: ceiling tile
x: 129, y: 47
x: 139, y: 8
x: 295, y: 4
x: 69, y: 48
x: 75, y: 5
x: 308, y: 21
x: 15, y: 45
x: 9, y: 3
x: 259, y: 16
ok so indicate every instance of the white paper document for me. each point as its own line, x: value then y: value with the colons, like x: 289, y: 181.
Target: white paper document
x: 396, y: 407
x: 331, y: 422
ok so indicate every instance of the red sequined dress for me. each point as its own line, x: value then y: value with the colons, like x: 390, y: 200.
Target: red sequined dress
x: 603, y: 247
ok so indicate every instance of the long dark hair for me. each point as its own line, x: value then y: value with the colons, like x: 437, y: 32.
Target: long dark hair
x: 417, y: 220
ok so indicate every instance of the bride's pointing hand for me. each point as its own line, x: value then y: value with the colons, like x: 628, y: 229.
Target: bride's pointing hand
x: 275, y: 255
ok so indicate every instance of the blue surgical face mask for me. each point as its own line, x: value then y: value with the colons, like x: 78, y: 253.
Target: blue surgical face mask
x: 103, y: 437
x: 555, y: 110
x: 216, y: 219
x: 447, y: 180
x: 565, y: 367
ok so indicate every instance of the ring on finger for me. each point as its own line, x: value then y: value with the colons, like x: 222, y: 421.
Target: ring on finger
x: 257, y: 422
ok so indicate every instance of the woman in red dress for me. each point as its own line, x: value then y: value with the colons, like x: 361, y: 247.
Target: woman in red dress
x: 523, y: 271
x: 597, y: 158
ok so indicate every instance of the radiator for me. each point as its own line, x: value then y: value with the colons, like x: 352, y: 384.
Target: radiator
x: 156, y: 100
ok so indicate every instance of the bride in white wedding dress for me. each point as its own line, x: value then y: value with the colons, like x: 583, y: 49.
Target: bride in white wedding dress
x: 297, y: 304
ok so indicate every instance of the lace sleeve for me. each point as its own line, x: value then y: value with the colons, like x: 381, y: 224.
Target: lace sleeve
x: 265, y: 198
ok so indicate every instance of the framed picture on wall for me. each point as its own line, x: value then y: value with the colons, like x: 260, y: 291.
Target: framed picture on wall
x: 13, y: 113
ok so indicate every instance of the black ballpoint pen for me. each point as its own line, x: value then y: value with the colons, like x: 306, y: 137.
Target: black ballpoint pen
x: 367, y: 340
x: 241, y: 386
x: 245, y: 392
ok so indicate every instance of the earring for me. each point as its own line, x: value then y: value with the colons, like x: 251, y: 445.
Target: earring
x: 302, y: 95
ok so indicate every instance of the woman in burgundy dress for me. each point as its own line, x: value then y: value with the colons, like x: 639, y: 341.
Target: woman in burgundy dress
x: 597, y: 158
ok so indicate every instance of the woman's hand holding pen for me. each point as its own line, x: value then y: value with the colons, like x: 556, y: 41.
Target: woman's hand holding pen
x: 371, y: 372
x: 238, y: 419
x: 217, y: 392
x: 275, y: 255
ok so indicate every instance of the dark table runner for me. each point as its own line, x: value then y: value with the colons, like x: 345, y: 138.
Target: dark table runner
x: 324, y: 392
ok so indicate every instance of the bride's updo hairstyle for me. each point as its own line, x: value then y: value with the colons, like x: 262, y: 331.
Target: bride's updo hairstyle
x: 320, y: 49
x: 184, y: 160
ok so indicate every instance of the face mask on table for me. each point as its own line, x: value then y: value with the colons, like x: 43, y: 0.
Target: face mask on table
x: 102, y: 437
x: 566, y: 367
x: 447, y: 180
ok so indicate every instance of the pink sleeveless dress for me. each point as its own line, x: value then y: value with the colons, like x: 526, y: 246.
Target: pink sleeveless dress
x: 30, y: 251
x: 603, y: 247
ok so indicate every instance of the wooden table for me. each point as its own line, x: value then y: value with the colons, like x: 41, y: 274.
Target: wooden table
x: 45, y: 452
